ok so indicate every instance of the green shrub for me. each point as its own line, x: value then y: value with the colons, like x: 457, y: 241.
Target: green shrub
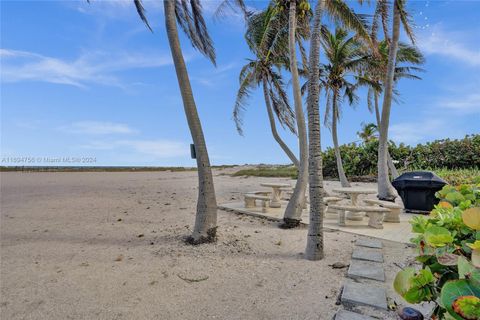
x: 456, y: 155
x: 448, y: 243
x: 459, y: 176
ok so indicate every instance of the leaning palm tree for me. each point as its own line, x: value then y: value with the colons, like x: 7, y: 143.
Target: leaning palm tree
x: 189, y: 17
x: 400, y: 16
x: 265, y: 71
x: 286, y: 10
x: 345, y: 59
x: 407, y: 60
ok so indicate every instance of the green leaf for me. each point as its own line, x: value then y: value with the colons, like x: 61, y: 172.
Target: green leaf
x: 464, y: 267
x: 475, y: 245
x: 455, y: 289
x: 438, y: 236
x: 454, y: 197
x: 468, y: 307
x: 401, y: 284
x: 471, y: 217
x: 417, y: 295
x: 422, y: 278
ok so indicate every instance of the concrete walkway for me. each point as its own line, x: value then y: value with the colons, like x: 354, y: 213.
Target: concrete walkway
x: 365, y: 295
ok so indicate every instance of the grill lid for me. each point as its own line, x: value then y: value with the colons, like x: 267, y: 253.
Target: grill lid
x: 418, y: 179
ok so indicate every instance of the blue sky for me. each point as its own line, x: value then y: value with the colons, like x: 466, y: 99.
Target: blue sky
x: 80, y: 81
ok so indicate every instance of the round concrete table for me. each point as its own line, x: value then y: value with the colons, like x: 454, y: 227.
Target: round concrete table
x: 354, y: 192
x: 276, y: 194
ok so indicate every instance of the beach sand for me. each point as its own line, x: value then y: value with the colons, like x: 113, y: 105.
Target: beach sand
x: 110, y: 246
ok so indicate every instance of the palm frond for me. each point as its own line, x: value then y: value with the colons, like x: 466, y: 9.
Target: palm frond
x: 141, y: 13
x: 233, y: 6
x: 243, y: 94
x: 344, y: 15
x: 190, y: 18
x: 282, y: 109
x: 406, y: 19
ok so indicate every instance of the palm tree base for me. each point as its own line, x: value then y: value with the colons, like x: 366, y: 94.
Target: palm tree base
x: 209, y: 238
x: 289, y: 223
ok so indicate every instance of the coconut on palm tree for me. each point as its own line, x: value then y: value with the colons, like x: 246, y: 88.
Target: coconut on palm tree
x: 189, y: 17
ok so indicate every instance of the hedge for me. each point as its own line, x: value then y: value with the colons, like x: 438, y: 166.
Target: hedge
x: 361, y: 159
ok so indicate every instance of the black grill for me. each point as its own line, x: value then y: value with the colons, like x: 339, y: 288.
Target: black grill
x: 417, y: 190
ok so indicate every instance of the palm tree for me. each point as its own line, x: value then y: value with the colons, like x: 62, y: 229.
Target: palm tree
x: 400, y: 16
x: 368, y: 132
x: 407, y: 57
x: 314, y: 249
x: 342, y: 14
x: 346, y: 58
x: 265, y: 71
x: 296, y: 204
x: 189, y: 18
x: 340, y: 11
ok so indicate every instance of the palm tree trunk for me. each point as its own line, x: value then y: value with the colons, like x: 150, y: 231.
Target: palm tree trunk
x: 314, y: 249
x: 391, y: 165
x: 273, y: 127
x: 338, y: 156
x: 294, y: 209
x: 385, y: 189
x: 206, y: 217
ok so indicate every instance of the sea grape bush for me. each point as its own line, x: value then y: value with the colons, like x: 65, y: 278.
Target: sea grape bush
x: 361, y: 159
x: 448, y: 243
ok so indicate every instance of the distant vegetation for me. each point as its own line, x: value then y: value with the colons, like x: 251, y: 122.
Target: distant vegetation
x: 452, y: 176
x: 456, y: 161
x: 91, y: 169
x: 101, y: 168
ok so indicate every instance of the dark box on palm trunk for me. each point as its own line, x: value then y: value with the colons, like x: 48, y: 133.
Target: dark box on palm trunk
x: 417, y: 190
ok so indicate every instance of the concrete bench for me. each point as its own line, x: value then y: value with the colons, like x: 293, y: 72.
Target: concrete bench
x: 395, y: 209
x: 329, y: 201
x: 375, y: 214
x: 250, y: 199
x: 261, y: 193
x: 286, y: 193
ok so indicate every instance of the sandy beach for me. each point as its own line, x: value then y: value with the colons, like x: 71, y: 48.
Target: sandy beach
x: 110, y: 246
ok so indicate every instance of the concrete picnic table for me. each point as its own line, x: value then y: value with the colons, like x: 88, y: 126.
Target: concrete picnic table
x: 354, y: 192
x: 277, y: 193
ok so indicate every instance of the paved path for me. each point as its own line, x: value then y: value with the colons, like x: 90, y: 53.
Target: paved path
x: 366, y: 266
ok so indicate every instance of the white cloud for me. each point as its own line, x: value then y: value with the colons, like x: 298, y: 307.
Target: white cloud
x: 453, y: 45
x: 97, y: 128
x: 215, y: 77
x: 413, y: 132
x: 158, y: 149
x: 464, y: 104
x: 93, y: 67
x: 114, y: 8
